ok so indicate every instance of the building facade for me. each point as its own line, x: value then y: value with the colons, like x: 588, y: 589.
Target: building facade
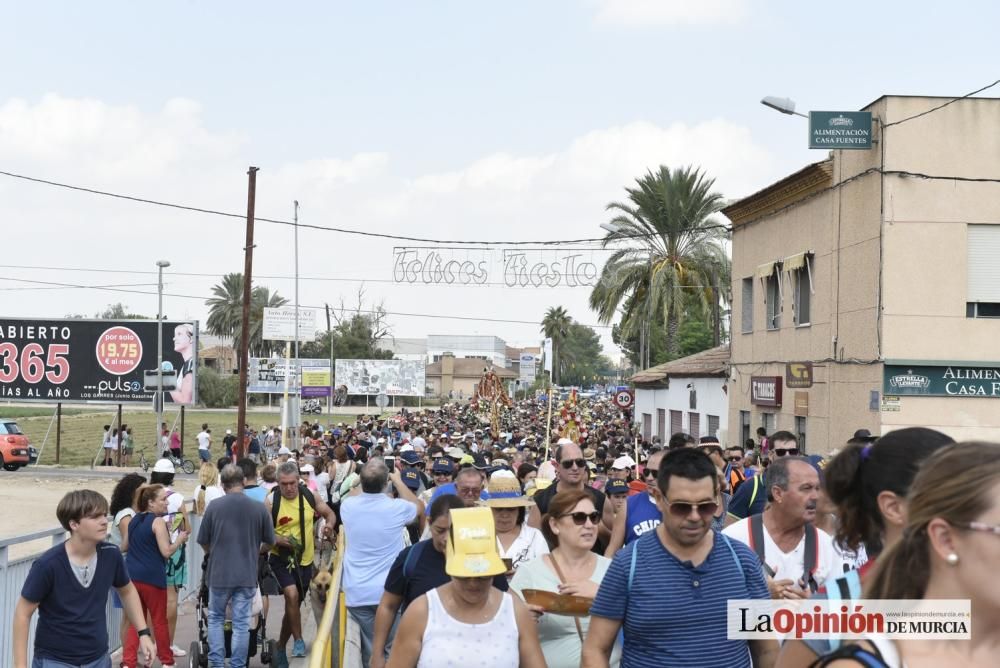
x: 866, y: 286
x: 686, y: 395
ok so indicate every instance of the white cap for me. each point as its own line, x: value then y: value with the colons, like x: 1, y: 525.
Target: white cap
x: 381, y: 440
x: 308, y: 468
x: 565, y: 441
x: 229, y: 431
x: 623, y: 462
x: 406, y: 448
x: 284, y: 451
x: 163, y: 466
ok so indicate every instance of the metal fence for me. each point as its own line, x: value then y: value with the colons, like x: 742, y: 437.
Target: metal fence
x: 14, y: 572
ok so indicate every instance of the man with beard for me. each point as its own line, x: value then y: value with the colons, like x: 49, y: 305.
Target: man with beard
x: 669, y: 589
x: 798, y: 558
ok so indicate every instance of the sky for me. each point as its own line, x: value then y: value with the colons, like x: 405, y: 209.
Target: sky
x: 454, y: 121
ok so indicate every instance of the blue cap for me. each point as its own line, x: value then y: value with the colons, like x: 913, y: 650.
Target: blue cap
x: 819, y: 463
x: 443, y: 465
x: 410, y: 457
x: 411, y: 478
x: 616, y: 486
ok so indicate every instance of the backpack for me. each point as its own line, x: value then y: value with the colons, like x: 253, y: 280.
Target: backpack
x: 810, y: 556
x: 724, y: 537
x: 304, y: 493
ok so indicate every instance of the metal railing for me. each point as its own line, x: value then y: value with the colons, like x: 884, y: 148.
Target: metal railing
x: 14, y: 572
x: 338, y: 638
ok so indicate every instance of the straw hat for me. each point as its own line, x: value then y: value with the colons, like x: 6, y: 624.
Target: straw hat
x: 472, y: 545
x: 505, y: 492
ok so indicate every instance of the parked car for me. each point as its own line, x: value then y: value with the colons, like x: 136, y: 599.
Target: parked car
x: 15, y: 450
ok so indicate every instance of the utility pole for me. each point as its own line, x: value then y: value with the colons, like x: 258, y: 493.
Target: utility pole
x: 298, y: 391
x: 241, y: 410
x: 329, y: 333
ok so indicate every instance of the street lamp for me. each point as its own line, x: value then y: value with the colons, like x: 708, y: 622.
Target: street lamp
x: 783, y: 104
x: 611, y: 227
x: 161, y: 265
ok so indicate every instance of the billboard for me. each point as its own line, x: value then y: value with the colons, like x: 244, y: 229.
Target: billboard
x: 527, y: 368
x: 76, y: 360
x: 266, y: 375
x: 402, y: 378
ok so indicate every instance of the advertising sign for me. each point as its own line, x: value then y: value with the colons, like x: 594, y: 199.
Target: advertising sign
x: 279, y: 324
x: 931, y: 380
x: 799, y: 375
x: 266, y: 375
x: 528, y: 368
x: 76, y: 360
x: 765, y: 390
x: 402, y: 378
x: 840, y: 129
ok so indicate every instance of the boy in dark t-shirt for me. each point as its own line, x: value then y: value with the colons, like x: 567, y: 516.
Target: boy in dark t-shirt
x: 69, y: 585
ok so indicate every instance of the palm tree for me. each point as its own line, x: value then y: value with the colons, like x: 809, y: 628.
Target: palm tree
x: 668, y: 247
x: 225, y: 316
x: 555, y: 325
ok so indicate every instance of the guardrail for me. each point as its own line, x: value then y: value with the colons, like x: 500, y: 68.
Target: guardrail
x: 13, y: 573
x: 338, y: 638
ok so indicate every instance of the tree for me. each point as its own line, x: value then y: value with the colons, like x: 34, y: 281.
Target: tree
x: 555, y: 326
x: 356, y: 332
x: 581, y: 360
x: 698, y: 331
x: 120, y: 311
x: 225, y: 315
x: 668, y: 247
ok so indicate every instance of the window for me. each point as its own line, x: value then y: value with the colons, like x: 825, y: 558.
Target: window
x: 647, y: 424
x: 676, y: 422
x: 772, y: 290
x: 744, y: 426
x: 799, y: 268
x: 661, y: 424
x: 747, y: 305
x: 694, y: 420
x: 767, y: 422
x: 713, y: 426
x: 800, y: 431
x: 983, y: 251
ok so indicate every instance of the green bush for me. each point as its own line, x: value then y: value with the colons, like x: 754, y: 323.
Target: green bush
x: 217, y: 390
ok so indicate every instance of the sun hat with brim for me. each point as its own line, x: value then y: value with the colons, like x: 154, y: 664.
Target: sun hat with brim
x: 455, y: 453
x: 472, y: 545
x: 623, y: 462
x: 505, y: 492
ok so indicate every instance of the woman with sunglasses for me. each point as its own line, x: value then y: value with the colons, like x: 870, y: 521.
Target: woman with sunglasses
x: 571, y: 569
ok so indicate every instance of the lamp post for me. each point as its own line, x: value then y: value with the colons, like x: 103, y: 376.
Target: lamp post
x: 161, y: 265
x: 783, y: 104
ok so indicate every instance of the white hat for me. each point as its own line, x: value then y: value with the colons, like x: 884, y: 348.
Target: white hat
x: 381, y: 440
x: 229, y: 431
x: 284, y: 451
x: 406, y: 448
x: 623, y: 462
x: 308, y: 468
x: 565, y: 441
x: 163, y: 466
x: 469, y: 434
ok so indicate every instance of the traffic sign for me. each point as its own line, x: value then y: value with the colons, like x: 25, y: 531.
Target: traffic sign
x: 382, y: 400
x: 623, y: 399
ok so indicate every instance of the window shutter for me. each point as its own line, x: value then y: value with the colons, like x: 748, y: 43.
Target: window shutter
x: 747, y: 305
x: 984, y: 263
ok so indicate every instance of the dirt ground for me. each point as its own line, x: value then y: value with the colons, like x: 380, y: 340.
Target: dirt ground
x: 33, y: 500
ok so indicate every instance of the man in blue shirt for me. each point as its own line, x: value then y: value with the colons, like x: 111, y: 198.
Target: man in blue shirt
x: 668, y: 591
x: 69, y: 585
x: 641, y: 513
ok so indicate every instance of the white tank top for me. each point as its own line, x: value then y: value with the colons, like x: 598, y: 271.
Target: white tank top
x: 489, y: 645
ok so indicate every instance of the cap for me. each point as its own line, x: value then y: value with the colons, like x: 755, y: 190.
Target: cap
x: 163, y: 466
x: 505, y: 492
x: 380, y: 440
x: 410, y: 457
x: 616, y: 487
x: 479, y: 431
x: 455, y: 453
x: 709, y: 440
x: 565, y: 441
x: 466, y: 460
x: 469, y: 434
x: 229, y: 431
x: 307, y: 468
x: 411, y: 478
x: 479, y: 462
x: 864, y: 436
x: 588, y: 453
x: 406, y: 447
x: 472, y: 545
x: 623, y: 462
x: 284, y: 451
x: 442, y: 465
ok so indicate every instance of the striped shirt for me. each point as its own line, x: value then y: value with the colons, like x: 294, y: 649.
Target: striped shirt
x: 674, y: 613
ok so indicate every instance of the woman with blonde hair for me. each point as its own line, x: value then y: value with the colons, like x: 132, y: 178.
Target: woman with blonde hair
x: 208, y: 487
x: 949, y: 549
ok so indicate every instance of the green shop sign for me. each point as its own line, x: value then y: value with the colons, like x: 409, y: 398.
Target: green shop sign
x: 942, y: 381
x: 840, y: 129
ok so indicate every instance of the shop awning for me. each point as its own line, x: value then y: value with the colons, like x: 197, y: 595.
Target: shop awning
x: 765, y: 270
x: 794, y: 263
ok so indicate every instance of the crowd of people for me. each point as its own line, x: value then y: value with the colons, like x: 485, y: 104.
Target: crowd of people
x: 528, y: 547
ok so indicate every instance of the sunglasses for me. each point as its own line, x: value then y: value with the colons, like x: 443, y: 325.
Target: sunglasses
x: 783, y: 451
x: 569, y: 463
x: 579, y: 518
x: 650, y: 473
x: 683, y: 508
x: 734, y: 458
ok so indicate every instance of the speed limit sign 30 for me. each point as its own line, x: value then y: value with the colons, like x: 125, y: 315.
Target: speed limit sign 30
x: 623, y: 399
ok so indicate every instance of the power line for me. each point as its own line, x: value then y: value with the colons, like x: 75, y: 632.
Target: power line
x: 319, y: 308
x: 941, y: 106
x: 325, y: 228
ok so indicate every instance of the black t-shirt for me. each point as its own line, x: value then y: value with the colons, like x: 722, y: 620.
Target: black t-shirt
x: 228, y: 441
x: 426, y: 572
x: 543, y: 498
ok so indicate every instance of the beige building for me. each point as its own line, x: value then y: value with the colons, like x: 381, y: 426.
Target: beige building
x: 457, y: 377
x: 871, y: 281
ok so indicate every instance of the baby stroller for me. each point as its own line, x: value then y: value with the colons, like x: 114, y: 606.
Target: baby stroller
x: 198, y: 654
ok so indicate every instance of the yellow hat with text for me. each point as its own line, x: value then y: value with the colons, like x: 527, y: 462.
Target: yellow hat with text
x: 472, y: 545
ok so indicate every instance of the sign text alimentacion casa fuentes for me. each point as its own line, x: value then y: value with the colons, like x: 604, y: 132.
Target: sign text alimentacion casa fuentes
x: 840, y: 129
x: 942, y: 380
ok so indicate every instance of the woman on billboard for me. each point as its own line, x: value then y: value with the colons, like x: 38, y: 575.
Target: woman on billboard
x: 184, y: 344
